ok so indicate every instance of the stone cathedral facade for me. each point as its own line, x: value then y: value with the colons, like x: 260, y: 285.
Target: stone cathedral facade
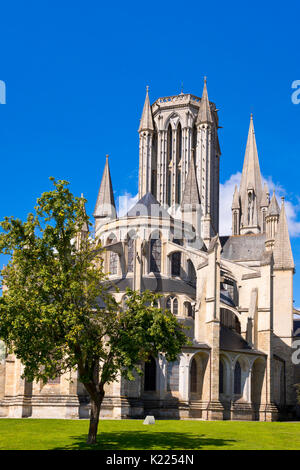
x: 235, y: 292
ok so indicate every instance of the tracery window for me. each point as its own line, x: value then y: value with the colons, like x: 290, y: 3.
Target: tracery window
x: 113, y: 263
x: 189, y: 311
x: 173, y: 376
x: 192, y: 277
x: 172, y: 305
x: 175, y: 263
x: 169, y: 143
x: 130, y: 254
x: 155, y: 255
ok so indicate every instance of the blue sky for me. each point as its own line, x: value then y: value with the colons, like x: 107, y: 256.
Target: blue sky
x: 76, y: 73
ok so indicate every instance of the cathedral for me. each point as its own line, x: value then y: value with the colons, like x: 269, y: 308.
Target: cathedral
x: 234, y: 292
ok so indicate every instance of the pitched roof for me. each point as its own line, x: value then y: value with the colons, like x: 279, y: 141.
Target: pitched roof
x: 105, y: 205
x: 191, y: 191
x: 243, y: 247
x: 148, y: 206
x: 204, y: 113
x: 282, y: 251
x: 146, y: 122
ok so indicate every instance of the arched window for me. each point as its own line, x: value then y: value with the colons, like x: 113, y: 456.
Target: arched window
x: 113, y: 263
x: 169, y: 144
x: 194, y: 376
x: 230, y: 320
x: 155, y: 255
x: 237, y: 379
x: 173, y: 376
x: 178, y: 187
x: 150, y: 375
x: 221, y: 377
x: 172, y: 305
x: 175, y: 306
x: 169, y: 189
x: 192, y: 277
x: 130, y: 254
x: 194, y: 145
x: 189, y: 311
x: 178, y: 143
x: 113, y: 257
x: 175, y: 263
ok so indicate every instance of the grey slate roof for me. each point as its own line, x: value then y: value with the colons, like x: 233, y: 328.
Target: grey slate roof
x: 156, y: 284
x: 243, y: 247
x: 148, y: 206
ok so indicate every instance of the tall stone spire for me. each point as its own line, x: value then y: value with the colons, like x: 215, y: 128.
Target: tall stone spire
x: 204, y: 114
x: 105, y: 208
x: 282, y: 252
x: 147, y: 169
x: 251, y: 186
x: 146, y: 123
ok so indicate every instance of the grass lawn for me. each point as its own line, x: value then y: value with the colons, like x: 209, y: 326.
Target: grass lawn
x: 33, y: 434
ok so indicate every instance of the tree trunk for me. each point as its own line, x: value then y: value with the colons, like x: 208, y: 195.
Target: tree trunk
x: 94, y: 420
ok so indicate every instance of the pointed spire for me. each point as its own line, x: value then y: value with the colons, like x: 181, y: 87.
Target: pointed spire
x: 283, y: 256
x: 251, y: 182
x: 146, y: 123
x: 105, y: 205
x: 273, y: 207
x: 236, y: 199
x: 265, y: 199
x: 84, y: 227
x: 191, y: 195
x: 204, y: 114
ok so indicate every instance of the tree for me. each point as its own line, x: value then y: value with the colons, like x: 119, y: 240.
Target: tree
x: 57, y: 313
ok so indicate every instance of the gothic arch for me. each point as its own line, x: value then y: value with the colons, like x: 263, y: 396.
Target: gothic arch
x: 171, y: 121
x: 241, y: 377
x: 258, y: 386
x: 198, y: 376
x: 155, y: 255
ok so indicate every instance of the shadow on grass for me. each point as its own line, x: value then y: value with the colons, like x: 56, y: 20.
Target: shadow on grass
x: 140, y: 440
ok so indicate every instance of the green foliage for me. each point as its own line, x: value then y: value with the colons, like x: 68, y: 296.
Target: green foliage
x: 57, y: 312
